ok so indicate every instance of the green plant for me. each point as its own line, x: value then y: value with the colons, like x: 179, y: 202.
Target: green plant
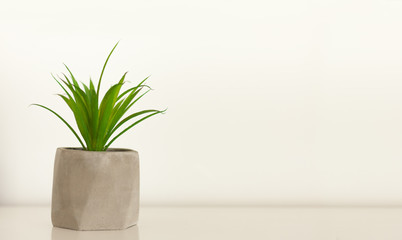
x: 96, y: 120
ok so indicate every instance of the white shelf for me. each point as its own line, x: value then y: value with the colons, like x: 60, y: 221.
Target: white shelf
x: 209, y: 223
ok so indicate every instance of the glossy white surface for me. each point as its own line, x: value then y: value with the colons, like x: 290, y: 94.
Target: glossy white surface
x: 193, y: 223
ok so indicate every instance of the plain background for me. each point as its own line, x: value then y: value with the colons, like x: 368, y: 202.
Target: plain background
x: 270, y: 102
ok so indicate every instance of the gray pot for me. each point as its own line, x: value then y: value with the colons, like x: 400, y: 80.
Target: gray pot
x: 95, y: 190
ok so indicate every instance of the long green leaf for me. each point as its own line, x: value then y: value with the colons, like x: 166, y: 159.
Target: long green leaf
x: 131, y: 104
x: 111, y: 131
x: 132, y: 125
x: 72, y: 76
x: 105, y: 110
x: 62, y: 86
x: 136, y: 87
x: 103, y: 69
x: 81, y: 124
x: 64, y: 121
x: 121, y: 109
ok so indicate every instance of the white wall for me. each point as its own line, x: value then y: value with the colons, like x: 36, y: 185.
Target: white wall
x: 270, y: 102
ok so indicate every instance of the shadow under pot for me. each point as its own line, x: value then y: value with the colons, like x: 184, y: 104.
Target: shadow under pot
x: 95, y: 190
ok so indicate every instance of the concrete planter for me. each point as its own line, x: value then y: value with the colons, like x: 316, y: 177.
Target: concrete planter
x: 95, y: 190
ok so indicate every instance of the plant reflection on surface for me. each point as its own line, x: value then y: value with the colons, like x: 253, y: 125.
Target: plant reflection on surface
x: 67, y: 234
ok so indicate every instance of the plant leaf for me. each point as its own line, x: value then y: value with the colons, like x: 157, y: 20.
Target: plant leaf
x: 64, y: 121
x: 103, y: 69
x: 105, y: 111
x: 132, y: 125
x: 138, y: 86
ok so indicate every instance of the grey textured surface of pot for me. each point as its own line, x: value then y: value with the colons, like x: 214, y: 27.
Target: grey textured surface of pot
x: 95, y: 190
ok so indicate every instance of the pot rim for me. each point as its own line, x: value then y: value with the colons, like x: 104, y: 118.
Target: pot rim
x: 109, y: 150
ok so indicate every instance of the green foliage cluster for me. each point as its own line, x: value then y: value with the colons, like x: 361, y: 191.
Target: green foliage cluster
x: 98, y: 120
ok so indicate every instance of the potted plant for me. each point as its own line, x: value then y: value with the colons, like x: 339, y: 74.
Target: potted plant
x: 96, y: 187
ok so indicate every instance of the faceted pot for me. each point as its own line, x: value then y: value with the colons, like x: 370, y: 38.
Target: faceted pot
x: 94, y: 190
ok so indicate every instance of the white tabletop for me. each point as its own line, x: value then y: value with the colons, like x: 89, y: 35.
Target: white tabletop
x: 208, y: 223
